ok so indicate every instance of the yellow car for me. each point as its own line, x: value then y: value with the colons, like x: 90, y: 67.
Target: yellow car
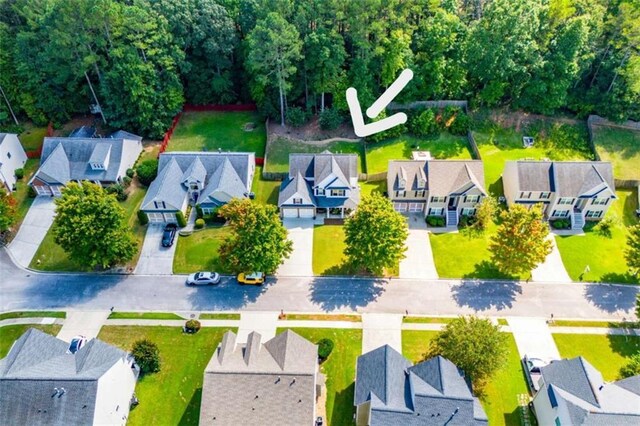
x: 256, y: 278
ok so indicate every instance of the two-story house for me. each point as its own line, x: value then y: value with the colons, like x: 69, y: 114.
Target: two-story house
x: 320, y: 184
x: 574, y: 190
x: 205, y: 179
x: 449, y: 188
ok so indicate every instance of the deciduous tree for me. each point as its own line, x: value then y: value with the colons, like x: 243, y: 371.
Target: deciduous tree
x: 632, y: 253
x: 375, y: 235
x: 258, y: 241
x: 7, y: 210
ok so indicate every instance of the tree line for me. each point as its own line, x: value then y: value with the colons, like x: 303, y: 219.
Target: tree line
x: 140, y: 60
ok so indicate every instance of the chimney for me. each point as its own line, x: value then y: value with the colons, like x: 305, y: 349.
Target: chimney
x: 252, y: 348
x: 227, y: 346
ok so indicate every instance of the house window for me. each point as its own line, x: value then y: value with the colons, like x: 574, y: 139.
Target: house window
x: 297, y: 201
x: 9, y: 155
x: 468, y: 212
x: 438, y: 199
x: 594, y: 214
x: 436, y: 212
x: 599, y: 201
x: 337, y: 192
x: 471, y: 198
x: 207, y: 210
x: 560, y: 213
x: 193, y: 186
x: 565, y: 201
x: 401, y: 193
x: 545, y: 195
x: 319, y: 191
x: 525, y: 195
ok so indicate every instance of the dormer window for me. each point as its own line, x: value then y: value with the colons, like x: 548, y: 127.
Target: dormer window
x: 337, y: 192
x: 97, y: 166
x: 401, y: 183
x: 297, y: 201
x: 319, y: 191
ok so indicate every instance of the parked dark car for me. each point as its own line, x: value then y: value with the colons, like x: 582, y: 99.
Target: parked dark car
x: 169, y: 234
x: 203, y: 278
x: 532, y: 368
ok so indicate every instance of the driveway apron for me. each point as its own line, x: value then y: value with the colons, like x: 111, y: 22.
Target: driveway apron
x: 381, y: 329
x: 418, y: 262
x: 552, y: 269
x: 35, y: 226
x: 84, y: 323
x: 264, y: 323
x: 155, y: 259
x: 533, y: 338
x: 299, y: 263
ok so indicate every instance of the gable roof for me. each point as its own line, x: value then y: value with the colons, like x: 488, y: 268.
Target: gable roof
x: 296, y: 185
x: 166, y: 187
x: 37, y: 368
x: 412, y: 171
x: 446, y: 177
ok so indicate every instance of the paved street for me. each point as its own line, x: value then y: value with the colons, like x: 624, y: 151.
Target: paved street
x: 21, y: 289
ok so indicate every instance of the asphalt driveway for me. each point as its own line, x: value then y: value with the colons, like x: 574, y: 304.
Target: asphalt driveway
x: 418, y: 263
x: 155, y: 259
x: 35, y: 226
x: 299, y: 263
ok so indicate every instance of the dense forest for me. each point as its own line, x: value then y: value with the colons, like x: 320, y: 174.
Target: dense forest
x: 140, y: 60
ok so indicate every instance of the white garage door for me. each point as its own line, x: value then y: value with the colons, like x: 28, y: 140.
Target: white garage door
x: 416, y: 207
x: 400, y: 207
x: 42, y: 190
x: 289, y: 212
x: 56, y: 190
x: 155, y: 217
x: 170, y: 217
x: 306, y: 212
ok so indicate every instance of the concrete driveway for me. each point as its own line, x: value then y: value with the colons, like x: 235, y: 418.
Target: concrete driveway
x: 155, y: 259
x: 552, y: 269
x: 83, y: 323
x: 418, y: 263
x: 533, y: 338
x: 381, y: 329
x: 35, y: 226
x: 299, y: 263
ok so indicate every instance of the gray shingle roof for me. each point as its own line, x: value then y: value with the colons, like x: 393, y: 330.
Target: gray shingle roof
x: 122, y: 134
x: 443, y: 177
x: 228, y: 173
x: 36, y: 364
x: 65, y: 159
x: 535, y: 176
x: 296, y: 184
x: 412, y: 171
x: 260, y: 383
x: 430, y: 392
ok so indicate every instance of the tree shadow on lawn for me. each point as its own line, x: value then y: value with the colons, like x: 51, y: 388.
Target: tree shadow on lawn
x: 343, y: 408
x: 332, y: 294
x: 485, y: 295
x: 496, y: 188
x: 610, y: 298
x: 487, y: 270
x: 625, y: 346
x: 191, y: 415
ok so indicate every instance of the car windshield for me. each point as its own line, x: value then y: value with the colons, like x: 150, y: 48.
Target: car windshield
x: 74, y: 345
x: 202, y: 275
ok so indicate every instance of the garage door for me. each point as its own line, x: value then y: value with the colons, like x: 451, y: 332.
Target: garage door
x: 156, y: 217
x: 400, y: 207
x: 170, y: 217
x: 289, y: 212
x: 306, y: 212
x: 42, y: 190
x: 56, y: 190
x: 416, y: 207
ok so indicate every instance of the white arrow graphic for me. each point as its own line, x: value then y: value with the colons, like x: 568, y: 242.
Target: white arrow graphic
x: 362, y: 130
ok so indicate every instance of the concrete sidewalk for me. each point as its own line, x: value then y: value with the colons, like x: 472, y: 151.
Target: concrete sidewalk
x: 381, y: 329
x: 533, y: 338
x: 84, y: 323
x: 264, y: 323
x: 34, y: 227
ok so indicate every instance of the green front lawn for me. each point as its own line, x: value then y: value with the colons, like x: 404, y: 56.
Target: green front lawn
x: 339, y: 369
x: 603, y: 255
x: 9, y: 334
x: 368, y: 188
x: 212, y: 130
x: 445, y: 146
x: 324, y: 317
x: 464, y: 254
x: 171, y: 396
x: 145, y: 315
x: 606, y: 353
x: 328, y: 249
x: 266, y: 190
x: 427, y: 320
x: 553, y: 141
x: 499, y: 396
x: 33, y: 314
x: 199, y: 251
x: 221, y: 316
x: 32, y: 137
x: 21, y: 194
x: 279, y: 150
x: 622, y: 148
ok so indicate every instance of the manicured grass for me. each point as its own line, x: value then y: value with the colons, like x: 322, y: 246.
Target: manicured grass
x: 323, y: 317
x: 199, y: 251
x: 266, y: 190
x: 606, y: 353
x: 32, y: 137
x: 415, y: 343
x: 339, y: 369
x: 145, y: 315
x: 622, y: 148
x: 444, y: 146
x: 150, y: 152
x: 21, y: 194
x: 222, y: 316
x: 604, y: 255
x: 33, y: 314
x: 52, y: 257
x: 328, y: 248
x: 10, y: 333
x: 427, y: 320
x: 212, y: 130
x: 600, y: 324
x: 279, y: 150
x: 171, y: 396
x: 553, y: 141
x: 464, y: 254
x: 367, y: 188
x: 502, y: 321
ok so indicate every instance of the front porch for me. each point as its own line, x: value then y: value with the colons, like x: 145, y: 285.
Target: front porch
x: 333, y: 212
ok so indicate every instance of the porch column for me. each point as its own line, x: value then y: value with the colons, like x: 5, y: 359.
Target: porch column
x: 342, y: 212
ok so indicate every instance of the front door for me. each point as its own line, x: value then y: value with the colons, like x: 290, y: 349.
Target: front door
x: 453, y: 202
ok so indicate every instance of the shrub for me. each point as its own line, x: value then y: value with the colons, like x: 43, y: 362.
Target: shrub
x: 466, y: 220
x: 118, y: 191
x: 485, y: 213
x: 460, y: 125
x: 142, y: 217
x: 19, y: 173
x: 147, y: 171
x: 131, y: 173
x: 215, y: 218
x: 603, y: 227
x: 330, y: 119
x: 296, y: 117
x: 435, y: 221
x: 632, y: 368
x: 182, y: 222
x: 199, y: 223
x: 325, y: 347
x: 448, y: 113
x: 560, y: 224
x: 126, y: 181
x: 424, y: 124
x: 388, y: 134
x: 199, y: 213
x: 192, y: 326
x: 31, y: 193
x: 147, y: 356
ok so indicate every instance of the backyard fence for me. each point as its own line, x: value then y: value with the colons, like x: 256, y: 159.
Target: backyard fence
x: 626, y: 184
x: 601, y: 121
x: 274, y: 176
x: 473, y: 145
x: 222, y: 108
x: 169, y: 133
x: 372, y: 177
